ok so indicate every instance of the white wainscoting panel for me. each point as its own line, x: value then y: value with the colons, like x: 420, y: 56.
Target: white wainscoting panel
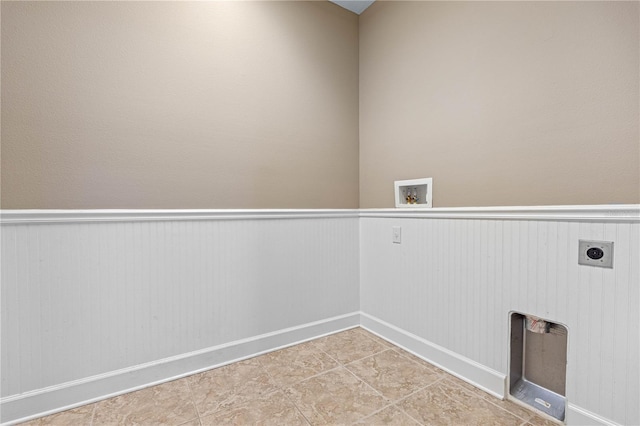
x: 84, y: 298
x: 453, y: 281
x: 96, y: 303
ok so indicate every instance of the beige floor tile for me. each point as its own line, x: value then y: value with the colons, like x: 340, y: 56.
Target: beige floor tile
x: 391, y: 415
x: 77, y: 416
x: 432, y: 406
x: 393, y: 375
x: 227, y: 386
x: 419, y: 360
x: 467, y: 386
x: 352, y: 376
x: 291, y: 365
x: 537, y: 420
x: 166, y: 404
x: 515, y: 409
x: 335, y: 397
x: 451, y: 390
x: 350, y: 345
x: 373, y: 337
x: 484, y: 413
x: 272, y: 409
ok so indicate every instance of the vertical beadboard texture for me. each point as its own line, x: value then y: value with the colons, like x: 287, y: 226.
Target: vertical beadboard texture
x: 81, y: 299
x: 453, y: 282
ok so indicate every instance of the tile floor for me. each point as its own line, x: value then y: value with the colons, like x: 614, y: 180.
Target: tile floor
x: 352, y: 377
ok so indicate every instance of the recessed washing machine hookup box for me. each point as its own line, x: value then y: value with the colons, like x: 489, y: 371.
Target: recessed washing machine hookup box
x: 414, y: 193
x: 538, y: 364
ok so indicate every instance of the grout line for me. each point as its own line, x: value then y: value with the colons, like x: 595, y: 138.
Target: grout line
x: 440, y: 378
x: 366, y: 357
x: 444, y: 378
x: 191, y: 396
x: 316, y: 375
x: 487, y: 398
x: 282, y: 389
x: 362, y: 333
x: 367, y: 384
x: 491, y: 400
x: 323, y: 351
x: 416, y: 391
x: 532, y: 415
x: 374, y: 413
x: 410, y: 395
x: 296, y: 407
x: 408, y: 415
x: 93, y: 413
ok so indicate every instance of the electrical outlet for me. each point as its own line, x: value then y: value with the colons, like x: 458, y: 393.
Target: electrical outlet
x: 595, y: 253
x: 396, y: 235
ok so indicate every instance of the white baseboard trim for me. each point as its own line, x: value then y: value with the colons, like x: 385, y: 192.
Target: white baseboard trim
x: 580, y: 417
x: 20, y: 408
x: 478, y: 375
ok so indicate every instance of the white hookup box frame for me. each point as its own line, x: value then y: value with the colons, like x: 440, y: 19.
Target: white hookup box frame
x: 424, y: 191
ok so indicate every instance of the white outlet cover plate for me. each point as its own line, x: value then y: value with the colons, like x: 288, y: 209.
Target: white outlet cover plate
x: 396, y: 235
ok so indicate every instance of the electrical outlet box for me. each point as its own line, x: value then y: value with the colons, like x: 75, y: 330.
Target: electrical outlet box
x: 595, y: 253
x: 414, y: 193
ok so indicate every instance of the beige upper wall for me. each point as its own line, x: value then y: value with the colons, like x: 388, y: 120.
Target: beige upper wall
x: 255, y: 104
x: 179, y: 105
x: 502, y: 103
